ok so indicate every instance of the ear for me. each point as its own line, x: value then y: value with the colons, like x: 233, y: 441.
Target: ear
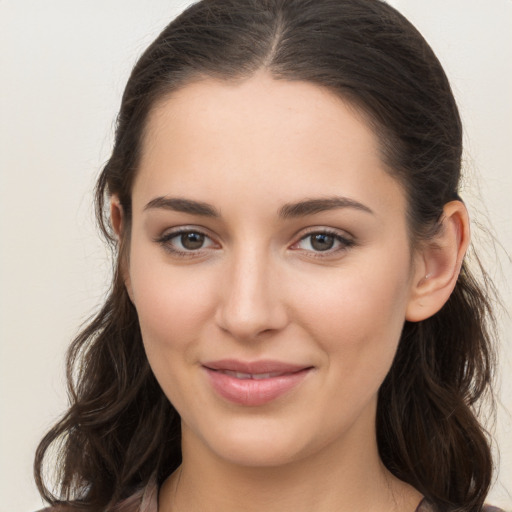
x: 116, y: 216
x: 438, y: 262
x: 118, y: 225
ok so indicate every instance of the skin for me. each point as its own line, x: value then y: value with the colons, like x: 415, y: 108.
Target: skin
x: 259, y: 288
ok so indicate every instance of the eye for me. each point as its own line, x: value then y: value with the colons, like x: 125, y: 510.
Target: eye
x: 324, y: 241
x: 185, y: 242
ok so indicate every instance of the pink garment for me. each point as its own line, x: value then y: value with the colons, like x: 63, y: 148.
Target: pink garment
x: 145, y: 500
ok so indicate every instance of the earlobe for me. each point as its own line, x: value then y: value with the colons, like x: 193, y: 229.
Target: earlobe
x: 438, y: 264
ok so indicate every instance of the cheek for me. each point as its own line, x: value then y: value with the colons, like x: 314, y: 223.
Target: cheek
x: 172, y: 305
x: 173, y: 308
x: 358, y: 328
x: 357, y: 315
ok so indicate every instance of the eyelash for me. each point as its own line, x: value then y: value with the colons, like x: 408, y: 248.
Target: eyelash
x: 344, y: 242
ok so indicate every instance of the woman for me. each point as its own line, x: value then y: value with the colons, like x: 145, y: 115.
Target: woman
x: 292, y: 325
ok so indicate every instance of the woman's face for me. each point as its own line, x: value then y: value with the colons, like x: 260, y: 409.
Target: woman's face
x: 270, y: 268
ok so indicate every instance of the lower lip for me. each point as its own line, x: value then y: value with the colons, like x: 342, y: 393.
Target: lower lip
x: 254, y: 392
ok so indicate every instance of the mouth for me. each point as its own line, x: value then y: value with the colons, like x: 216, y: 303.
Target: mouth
x: 254, y: 383
x: 255, y: 376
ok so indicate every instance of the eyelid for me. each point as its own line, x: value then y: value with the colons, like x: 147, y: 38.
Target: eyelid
x: 326, y: 230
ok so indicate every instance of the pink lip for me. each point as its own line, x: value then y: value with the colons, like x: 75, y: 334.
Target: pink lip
x: 258, y: 389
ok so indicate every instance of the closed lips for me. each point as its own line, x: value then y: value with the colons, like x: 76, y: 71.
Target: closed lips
x: 254, y: 383
x: 255, y: 376
x: 263, y: 369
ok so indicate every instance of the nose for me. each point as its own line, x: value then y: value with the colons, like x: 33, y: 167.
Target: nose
x: 251, y: 298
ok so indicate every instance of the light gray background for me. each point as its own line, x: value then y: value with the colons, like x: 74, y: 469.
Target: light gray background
x: 63, y: 67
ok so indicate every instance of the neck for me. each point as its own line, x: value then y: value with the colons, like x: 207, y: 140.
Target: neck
x: 346, y: 475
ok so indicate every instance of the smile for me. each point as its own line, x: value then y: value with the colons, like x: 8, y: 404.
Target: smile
x: 254, y: 384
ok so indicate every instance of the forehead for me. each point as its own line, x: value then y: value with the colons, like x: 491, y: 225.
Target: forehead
x: 276, y: 138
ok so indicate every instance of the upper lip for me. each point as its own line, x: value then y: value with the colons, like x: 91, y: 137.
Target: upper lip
x: 254, y: 367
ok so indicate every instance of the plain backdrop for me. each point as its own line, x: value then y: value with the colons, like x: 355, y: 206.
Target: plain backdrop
x: 63, y: 66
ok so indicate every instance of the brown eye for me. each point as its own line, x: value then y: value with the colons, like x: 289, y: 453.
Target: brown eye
x: 322, y: 242
x: 185, y: 242
x: 327, y: 242
x: 192, y: 240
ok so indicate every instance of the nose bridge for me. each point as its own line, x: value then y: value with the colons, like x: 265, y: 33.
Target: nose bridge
x: 251, y: 303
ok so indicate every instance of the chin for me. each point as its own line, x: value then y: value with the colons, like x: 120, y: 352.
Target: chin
x: 260, y: 442
x: 259, y: 452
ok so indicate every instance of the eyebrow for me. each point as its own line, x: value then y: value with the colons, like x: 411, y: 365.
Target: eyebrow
x: 289, y: 210
x: 179, y: 204
x: 312, y: 206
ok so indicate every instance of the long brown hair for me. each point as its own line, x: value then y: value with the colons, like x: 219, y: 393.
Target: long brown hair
x: 120, y: 428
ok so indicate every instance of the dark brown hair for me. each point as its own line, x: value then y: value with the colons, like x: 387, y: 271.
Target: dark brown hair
x: 120, y: 427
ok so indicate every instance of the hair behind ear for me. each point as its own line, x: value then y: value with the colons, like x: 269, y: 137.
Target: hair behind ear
x: 428, y: 432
